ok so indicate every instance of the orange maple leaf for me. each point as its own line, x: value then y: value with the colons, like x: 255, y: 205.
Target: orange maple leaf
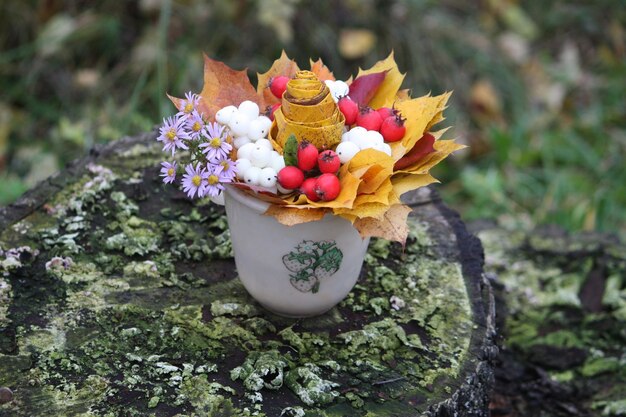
x: 223, y: 86
x: 282, y: 66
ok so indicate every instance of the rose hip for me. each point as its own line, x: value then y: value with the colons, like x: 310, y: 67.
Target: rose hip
x: 307, y: 156
x: 327, y: 187
x: 290, y: 177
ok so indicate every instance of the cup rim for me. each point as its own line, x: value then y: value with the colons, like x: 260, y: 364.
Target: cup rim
x: 247, y: 200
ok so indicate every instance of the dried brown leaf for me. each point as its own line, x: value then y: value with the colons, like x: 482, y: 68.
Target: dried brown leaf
x: 392, y: 226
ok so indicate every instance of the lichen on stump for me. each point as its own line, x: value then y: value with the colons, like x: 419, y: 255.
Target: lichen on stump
x: 120, y: 297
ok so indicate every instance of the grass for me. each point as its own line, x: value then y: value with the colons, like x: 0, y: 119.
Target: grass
x: 538, y: 87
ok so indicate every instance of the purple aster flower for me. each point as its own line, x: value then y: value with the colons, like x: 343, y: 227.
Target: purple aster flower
x: 195, y: 125
x: 214, y: 180
x: 172, y: 134
x: 228, y: 168
x: 168, y: 172
x: 215, y: 145
x: 188, y: 105
x: 194, y: 180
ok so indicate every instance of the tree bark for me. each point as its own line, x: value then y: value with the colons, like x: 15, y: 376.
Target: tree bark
x: 118, y: 296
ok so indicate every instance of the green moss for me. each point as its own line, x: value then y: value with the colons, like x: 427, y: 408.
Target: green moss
x: 138, y: 237
x: 611, y: 408
x: 309, y: 386
x: 137, y: 314
x: 543, y: 274
x: 261, y: 370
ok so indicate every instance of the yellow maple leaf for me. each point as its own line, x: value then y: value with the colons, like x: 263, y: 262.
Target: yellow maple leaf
x: 403, y: 182
x: 419, y: 114
x: 386, y: 94
x: 443, y: 148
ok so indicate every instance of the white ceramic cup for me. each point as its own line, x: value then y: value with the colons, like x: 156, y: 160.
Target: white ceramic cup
x: 294, y: 271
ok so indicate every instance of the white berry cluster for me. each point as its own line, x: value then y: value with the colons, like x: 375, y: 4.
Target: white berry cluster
x: 257, y: 161
x: 258, y: 164
x: 357, y: 139
x: 244, y: 122
x: 337, y: 89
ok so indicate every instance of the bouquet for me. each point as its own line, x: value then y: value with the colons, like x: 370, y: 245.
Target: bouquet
x: 308, y: 144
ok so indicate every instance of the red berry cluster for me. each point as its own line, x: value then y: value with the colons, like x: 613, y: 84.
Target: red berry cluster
x: 320, y: 168
x: 384, y: 120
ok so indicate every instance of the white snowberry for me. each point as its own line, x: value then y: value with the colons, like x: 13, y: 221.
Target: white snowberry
x: 374, y: 136
x: 252, y: 175
x: 282, y: 189
x: 224, y: 115
x: 360, y: 141
x: 260, y: 156
x: 339, y: 89
x: 383, y: 147
x: 242, y: 165
x: 345, y: 137
x: 268, y: 177
x: 357, y: 131
x: 239, y: 124
x: 346, y: 151
x: 241, y: 141
x: 245, y: 151
x: 265, y: 143
x: 265, y: 121
x: 257, y: 130
x: 277, y: 161
x: 250, y: 109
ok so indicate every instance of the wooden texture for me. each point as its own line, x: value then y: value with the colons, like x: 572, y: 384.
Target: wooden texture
x: 118, y: 296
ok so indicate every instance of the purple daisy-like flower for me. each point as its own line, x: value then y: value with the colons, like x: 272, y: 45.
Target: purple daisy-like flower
x: 195, y: 125
x: 194, y: 180
x: 172, y: 134
x: 215, y: 146
x: 189, y: 104
x: 229, y: 168
x: 215, y: 180
x: 168, y: 172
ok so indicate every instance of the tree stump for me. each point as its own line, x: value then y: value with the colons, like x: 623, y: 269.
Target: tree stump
x: 119, y: 297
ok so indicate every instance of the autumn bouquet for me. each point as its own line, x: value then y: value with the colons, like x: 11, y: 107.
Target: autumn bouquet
x: 308, y: 144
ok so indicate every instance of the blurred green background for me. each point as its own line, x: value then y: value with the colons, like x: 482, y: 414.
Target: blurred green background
x: 539, y: 86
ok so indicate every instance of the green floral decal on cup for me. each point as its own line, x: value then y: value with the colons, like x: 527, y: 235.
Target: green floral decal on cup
x: 311, y: 262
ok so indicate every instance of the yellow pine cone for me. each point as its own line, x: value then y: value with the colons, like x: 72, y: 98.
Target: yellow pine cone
x: 309, y: 112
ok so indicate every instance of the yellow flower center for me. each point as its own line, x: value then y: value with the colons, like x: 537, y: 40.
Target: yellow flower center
x: 196, y: 180
x: 171, y: 135
x: 196, y: 127
x: 225, y: 165
x: 213, y: 179
x: 188, y: 107
x: 170, y: 172
x: 216, y: 142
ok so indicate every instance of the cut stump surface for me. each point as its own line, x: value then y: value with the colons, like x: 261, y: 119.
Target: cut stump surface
x: 118, y: 296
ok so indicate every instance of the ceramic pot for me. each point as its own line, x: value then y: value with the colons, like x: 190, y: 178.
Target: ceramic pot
x: 294, y: 271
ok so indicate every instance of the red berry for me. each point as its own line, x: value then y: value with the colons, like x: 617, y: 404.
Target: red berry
x: 385, y: 112
x: 308, y: 188
x: 328, y: 162
x: 369, y: 119
x: 327, y: 187
x: 290, y: 177
x: 269, y: 112
x: 393, y: 129
x: 349, y: 109
x: 278, y: 85
x: 307, y: 156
